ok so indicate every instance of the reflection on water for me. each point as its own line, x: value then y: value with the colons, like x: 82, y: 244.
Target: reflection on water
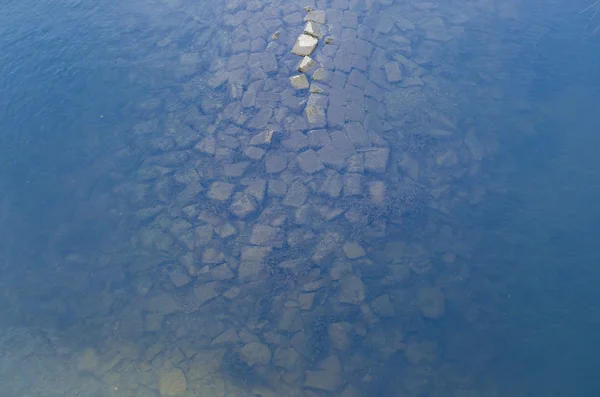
x: 184, y: 212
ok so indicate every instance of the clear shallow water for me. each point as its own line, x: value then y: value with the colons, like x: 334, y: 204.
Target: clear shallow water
x: 127, y: 271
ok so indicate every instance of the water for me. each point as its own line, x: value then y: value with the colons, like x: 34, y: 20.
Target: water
x: 172, y: 225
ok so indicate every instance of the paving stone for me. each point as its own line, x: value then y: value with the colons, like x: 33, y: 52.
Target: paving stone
x: 362, y: 47
x: 262, y: 138
x: 318, y: 138
x: 347, y: 38
x: 374, y: 91
x: 276, y: 188
x: 341, y: 142
x: 305, y: 45
x: 317, y: 89
x: 331, y: 157
x: 377, y: 192
x: 266, y: 235
x: 360, y: 63
x: 336, y: 115
x: 357, y: 134
x: 320, y: 100
x: 237, y: 61
x: 295, y: 141
x: 297, y: 195
x: 357, y: 79
x: 293, y: 19
x: 351, y: 290
x: 315, y: 29
x: 243, y: 207
x: 356, y: 163
x: 306, y: 65
x: 340, y: 4
x: 255, y: 353
x: 332, y: 184
x: 376, y: 160
x: 355, y: 112
x: 350, y: 19
x: 261, y: 118
x: 236, y: 169
x: 275, y: 163
x: 299, y: 82
x: 309, y: 162
x: 352, y: 184
x: 316, y: 16
x: 207, y: 145
x: 338, y: 80
x: 321, y: 74
x: 264, y: 60
x: 393, y: 72
x: 328, y: 377
x: 353, y: 250
x: 255, y: 153
x: 220, y: 191
x: 315, y: 116
x: 343, y: 61
x: 365, y: 32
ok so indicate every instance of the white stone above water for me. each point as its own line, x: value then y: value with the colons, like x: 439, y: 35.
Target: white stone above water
x: 305, y: 45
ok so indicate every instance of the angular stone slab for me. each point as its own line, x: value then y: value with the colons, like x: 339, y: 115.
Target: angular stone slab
x: 306, y: 65
x: 316, y: 16
x: 299, y: 82
x: 305, y: 45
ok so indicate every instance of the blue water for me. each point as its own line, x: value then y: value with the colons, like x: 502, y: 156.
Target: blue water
x: 129, y: 267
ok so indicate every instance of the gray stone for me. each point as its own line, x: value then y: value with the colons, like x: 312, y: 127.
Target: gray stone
x: 332, y: 184
x: 316, y: 16
x: 291, y: 321
x: 276, y: 188
x: 295, y: 141
x: 235, y: 169
x: 309, y: 162
x: 220, y: 191
x: 341, y: 142
x: 316, y: 116
x: 356, y: 163
x: 266, y: 235
x: 306, y: 65
x: 357, y: 134
x: 266, y: 61
x: 340, y: 335
x: 212, y: 256
x: 331, y: 157
x: 285, y: 358
x: 243, y: 207
x: 221, y: 272
x: 351, y: 290
x: 251, y: 270
x: 431, y: 302
x: 377, y: 192
x: 393, y: 72
x: 237, y: 61
x: 376, y: 160
x: 262, y: 138
x: 275, y: 163
x: 328, y: 378
x: 321, y: 74
x: 315, y: 29
x: 207, y: 145
x: 255, y: 353
x: 318, y: 138
x: 353, y: 250
x: 305, y: 45
x: 352, y: 184
x: 297, y: 195
x: 350, y: 19
x: 226, y: 230
x: 382, y: 306
x: 254, y: 153
x: 207, y: 291
x: 299, y: 82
